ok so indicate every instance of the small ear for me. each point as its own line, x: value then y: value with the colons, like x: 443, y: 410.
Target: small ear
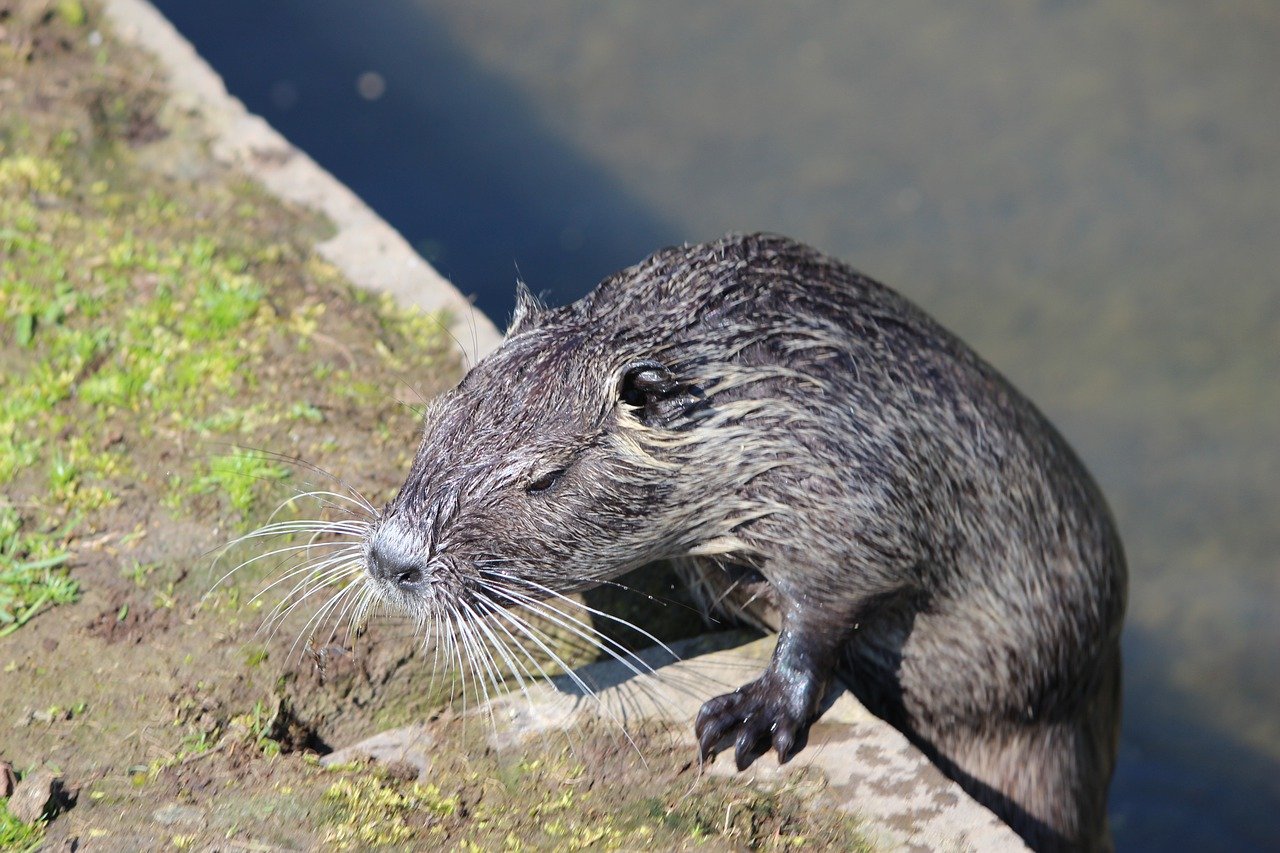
x: 645, y: 382
x: 527, y: 308
x: 651, y: 387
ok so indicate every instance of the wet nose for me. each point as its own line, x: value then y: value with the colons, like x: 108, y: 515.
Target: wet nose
x: 393, y: 562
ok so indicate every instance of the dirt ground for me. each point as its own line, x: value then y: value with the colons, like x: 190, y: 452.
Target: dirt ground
x: 171, y: 344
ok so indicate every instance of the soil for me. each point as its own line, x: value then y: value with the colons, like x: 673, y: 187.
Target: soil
x: 159, y: 316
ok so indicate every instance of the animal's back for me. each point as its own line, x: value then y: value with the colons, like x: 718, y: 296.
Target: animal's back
x: 993, y: 639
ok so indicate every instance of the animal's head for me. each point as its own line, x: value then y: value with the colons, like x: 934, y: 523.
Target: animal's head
x: 599, y: 436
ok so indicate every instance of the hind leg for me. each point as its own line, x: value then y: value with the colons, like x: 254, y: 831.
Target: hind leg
x: 1047, y: 778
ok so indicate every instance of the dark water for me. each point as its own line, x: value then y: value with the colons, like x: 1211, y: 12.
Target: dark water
x: 1088, y: 192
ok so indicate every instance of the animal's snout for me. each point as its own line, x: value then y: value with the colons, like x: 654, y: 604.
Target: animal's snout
x: 392, y: 559
x: 393, y: 569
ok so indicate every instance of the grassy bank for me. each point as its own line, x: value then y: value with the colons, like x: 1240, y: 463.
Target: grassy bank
x: 171, y: 343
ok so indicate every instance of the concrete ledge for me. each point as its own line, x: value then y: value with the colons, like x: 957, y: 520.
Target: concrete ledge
x: 870, y: 769
x: 369, y: 252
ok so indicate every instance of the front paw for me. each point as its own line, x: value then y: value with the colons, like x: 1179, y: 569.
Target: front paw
x: 757, y: 716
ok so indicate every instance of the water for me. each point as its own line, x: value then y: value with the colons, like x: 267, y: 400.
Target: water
x: 1085, y: 191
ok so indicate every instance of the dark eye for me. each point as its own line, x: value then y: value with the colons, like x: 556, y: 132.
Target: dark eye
x: 545, y: 482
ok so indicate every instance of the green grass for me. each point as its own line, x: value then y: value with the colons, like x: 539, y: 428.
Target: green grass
x: 368, y: 812
x: 134, y: 339
x: 240, y: 477
x: 32, y: 573
x: 16, y: 836
x: 106, y: 330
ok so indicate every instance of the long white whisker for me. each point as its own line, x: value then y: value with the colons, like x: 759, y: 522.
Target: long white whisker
x: 585, y: 632
x: 354, y: 524
x: 583, y: 606
x: 366, y: 597
x: 318, y: 618
x: 325, y: 499
x: 333, y: 549
x: 451, y: 659
x: 493, y: 646
x: 455, y: 645
x: 479, y: 650
x: 328, y: 494
x: 278, y: 528
x: 280, y: 614
x: 276, y: 619
x: 439, y: 641
x: 529, y: 631
x: 345, y: 557
x: 318, y: 528
x: 513, y: 664
x: 313, y: 583
x: 353, y: 601
x: 464, y: 634
x: 497, y: 623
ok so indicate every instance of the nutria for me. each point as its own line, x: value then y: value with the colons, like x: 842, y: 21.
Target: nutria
x: 821, y: 458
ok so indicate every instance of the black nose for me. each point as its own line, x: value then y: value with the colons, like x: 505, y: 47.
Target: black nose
x: 393, y: 564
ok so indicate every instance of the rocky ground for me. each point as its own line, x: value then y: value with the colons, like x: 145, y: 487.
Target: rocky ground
x: 173, y: 348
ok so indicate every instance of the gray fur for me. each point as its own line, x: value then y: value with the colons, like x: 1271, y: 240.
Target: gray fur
x: 826, y: 460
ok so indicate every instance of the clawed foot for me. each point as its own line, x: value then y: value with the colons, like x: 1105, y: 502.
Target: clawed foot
x: 757, y: 716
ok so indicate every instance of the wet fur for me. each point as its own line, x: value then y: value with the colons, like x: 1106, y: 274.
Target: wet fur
x: 822, y: 458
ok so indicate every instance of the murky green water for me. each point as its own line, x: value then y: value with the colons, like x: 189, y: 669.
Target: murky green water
x: 1088, y: 192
